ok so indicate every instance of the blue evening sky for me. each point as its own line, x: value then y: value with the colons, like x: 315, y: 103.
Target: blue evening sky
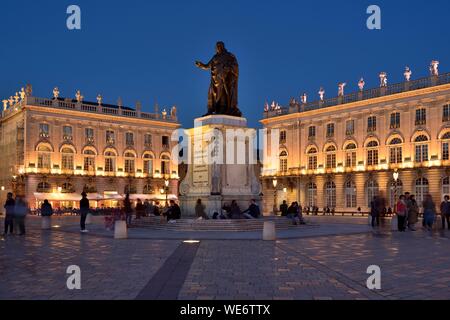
x: 145, y: 50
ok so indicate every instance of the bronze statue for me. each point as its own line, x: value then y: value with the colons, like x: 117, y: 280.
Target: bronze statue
x: 223, y: 91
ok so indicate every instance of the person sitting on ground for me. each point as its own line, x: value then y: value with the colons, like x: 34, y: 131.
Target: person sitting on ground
x: 200, y: 210
x: 174, y: 212
x: 284, y: 209
x: 226, y: 209
x: 253, y: 211
x: 235, y: 211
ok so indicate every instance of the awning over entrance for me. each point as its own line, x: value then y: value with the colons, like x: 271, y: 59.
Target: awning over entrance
x: 99, y: 197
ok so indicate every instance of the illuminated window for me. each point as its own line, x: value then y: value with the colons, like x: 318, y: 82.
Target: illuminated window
x: 110, y: 161
x: 110, y: 138
x: 44, y: 155
x: 89, y: 160
x: 312, y: 132
x: 312, y: 159
x: 445, y: 187
x: 331, y: 157
x: 330, y: 130
x: 446, y: 113
x: 148, y: 189
x: 421, y: 117
x: 372, y: 153
x: 44, y: 187
x: 129, y: 139
x: 350, y: 194
x: 350, y: 127
x: 283, y: 161
x: 372, y: 190
x: 67, y: 159
x: 129, y: 162
x: 395, y: 120
x: 148, y: 140
x: 422, y: 189
x: 350, y: 155
x: 312, y: 194
x: 165, y: 165
x: 282, y: 136
x: 445, y: 146
x: 67, y: 188
x: 330, y: 194
x: 372, y: 124
x: 395, y: 151
x: 148, y: 164
x: 421, y: 148
x: 67, y: 133
x: 44, y: 130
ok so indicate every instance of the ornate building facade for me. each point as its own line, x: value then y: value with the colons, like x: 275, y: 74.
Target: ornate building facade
x: 57, y: 148
x: 343, y: 151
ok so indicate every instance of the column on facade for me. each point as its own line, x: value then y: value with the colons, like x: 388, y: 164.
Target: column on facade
x: 340, y: 191
x: 434, y: 178
x: 360, y: 182
x: 320, y: 182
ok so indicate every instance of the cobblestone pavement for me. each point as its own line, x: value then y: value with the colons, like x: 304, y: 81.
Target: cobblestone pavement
x: 414, y: 265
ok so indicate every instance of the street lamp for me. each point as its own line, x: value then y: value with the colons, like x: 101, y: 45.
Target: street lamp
x: 395, y: 175
x: 275, y: 183
x: 166, y: 189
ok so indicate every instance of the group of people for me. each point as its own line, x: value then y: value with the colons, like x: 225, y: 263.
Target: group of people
x: 15, y: 213
x: 407, y: 211
x: 232, y: 211
x: 293, y: 212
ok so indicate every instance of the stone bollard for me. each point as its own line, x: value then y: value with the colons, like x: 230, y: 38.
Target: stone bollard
x: 269, y: 233
x: 120, y: 230
x: 46, y: 223
x: 89, y: 218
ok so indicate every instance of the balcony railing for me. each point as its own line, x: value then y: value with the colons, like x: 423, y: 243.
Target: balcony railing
x: 362, y: 95
x: 91, y: 108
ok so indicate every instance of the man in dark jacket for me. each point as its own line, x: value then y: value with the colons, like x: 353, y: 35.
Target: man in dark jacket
x: 9, y: 213
x: 84, y: 210
x: 445, y: 212
x: 253, y: 211
x: 174, y: 211
x: 284, y: 209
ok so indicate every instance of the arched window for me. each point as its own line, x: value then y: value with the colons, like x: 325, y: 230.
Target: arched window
x: 372, y: 153
x: 422, y: 188
x: 350, y: 155
x: 445, y: 187
x: 89, y: 160
x: 110, y: 161
x: 67, y: 188
x: 395, y: 190
x: 350, y: 194
x: 44, y: 187
x: 312, y: 159
x: 44, y: 155
x: 372, y: 190
x: 421, y: 148
x: 129, y: 162
x: 331, y: 157
x: 283, y: 161
x: 165, y: 165
x: 148, y: 189
x: 283, y: 136
x: 445, y: 146
x: 66, y: 158
x: 89, y: 188
x: 395, y: 151
x: 311, y: 189
x: 330, y: 194
x: 148, y: 164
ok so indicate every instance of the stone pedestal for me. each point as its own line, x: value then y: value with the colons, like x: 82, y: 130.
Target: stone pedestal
x: 269, y: 231
x: 222, y: 165
x: 120, y: 230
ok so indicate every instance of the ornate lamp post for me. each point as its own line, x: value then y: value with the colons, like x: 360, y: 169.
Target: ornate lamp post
x: 275, y: 183
x: 166, y: 190
x: 395, y: 175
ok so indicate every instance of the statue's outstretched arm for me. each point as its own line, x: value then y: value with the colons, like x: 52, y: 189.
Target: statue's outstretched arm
x: 203, y: 66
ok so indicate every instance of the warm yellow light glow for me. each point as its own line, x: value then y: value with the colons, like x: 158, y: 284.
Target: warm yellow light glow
x: 59, y: 189
x: 166, y: 182
x: 275, y: 182
x: 285, y: 190
x: 191, y: 241
x: 396, y: 175
x: 3, y: 188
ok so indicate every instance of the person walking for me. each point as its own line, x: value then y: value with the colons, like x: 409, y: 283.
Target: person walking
x: 139, y: 209
x: 200, y: 210
x: 253, y: 211
x: 375, y: 211
x: 9, y: 213
x: 46, y: 209
x: 128, y: 209
x: 445, y: 212
x: 20, y: 212
x: 413, y: 213
x: 401, y: 213
x: 84, y: 210
x: 284, y: 209
x: 429, y: 212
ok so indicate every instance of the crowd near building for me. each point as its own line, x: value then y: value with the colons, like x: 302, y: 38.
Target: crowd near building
x: 57, y: 148
x: 341, y: 152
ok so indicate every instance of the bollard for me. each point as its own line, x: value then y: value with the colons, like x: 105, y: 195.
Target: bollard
x: 394, y: 223
x: 46, y: 223
x: 120, y: 230
x: 269, y: 232
x: 89, y: 218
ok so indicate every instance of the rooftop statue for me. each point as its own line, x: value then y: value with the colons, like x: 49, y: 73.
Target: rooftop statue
x: 223, y: 90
